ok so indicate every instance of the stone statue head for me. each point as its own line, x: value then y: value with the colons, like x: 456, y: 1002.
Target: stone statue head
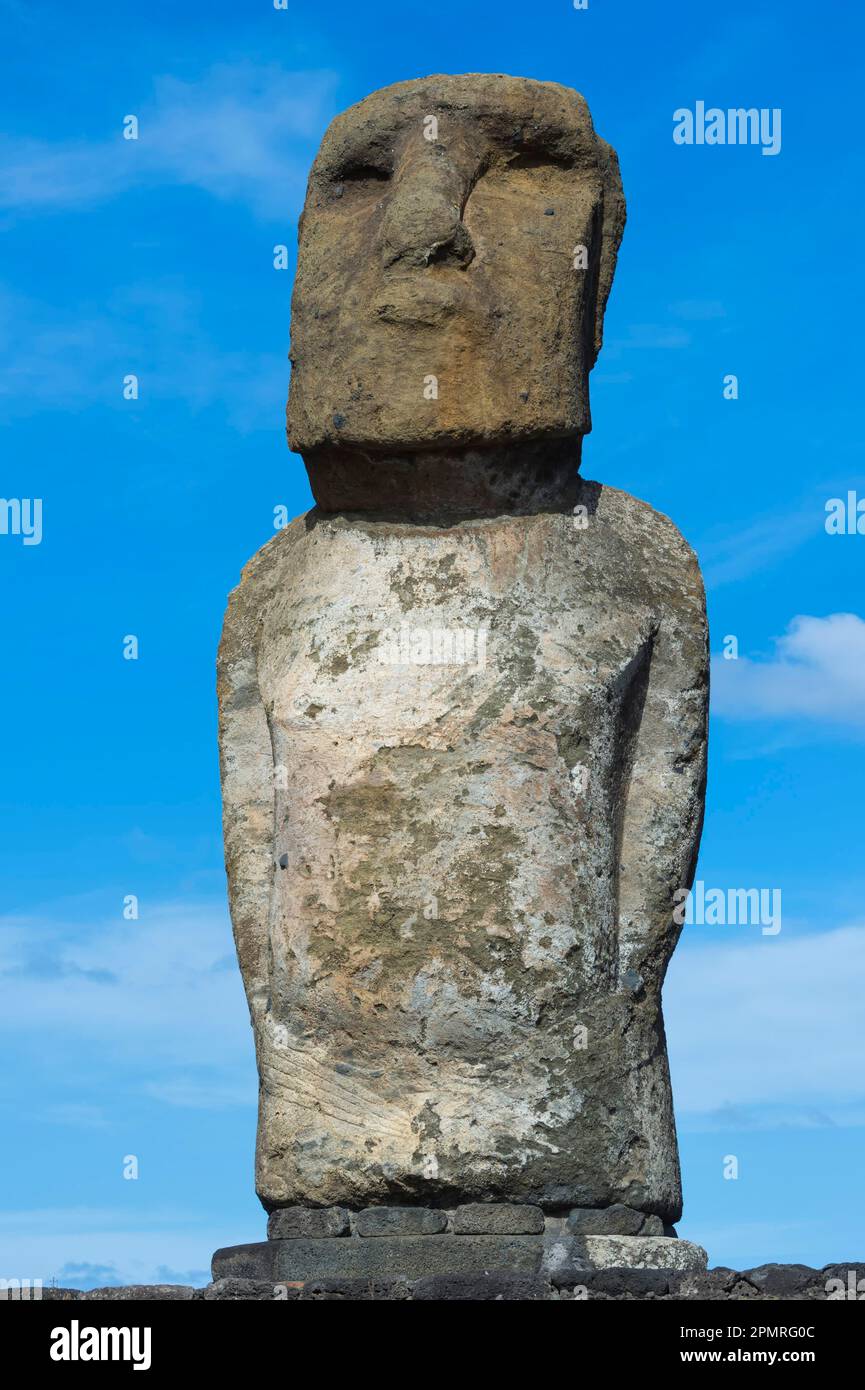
x: 457, y: 248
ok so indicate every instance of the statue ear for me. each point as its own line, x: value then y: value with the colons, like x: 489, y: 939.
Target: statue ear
x: 612, y: 226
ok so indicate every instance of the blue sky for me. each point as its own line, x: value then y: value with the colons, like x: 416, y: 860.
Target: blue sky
x: 155, y: 257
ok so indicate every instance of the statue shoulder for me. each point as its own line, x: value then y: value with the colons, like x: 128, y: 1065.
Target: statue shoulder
x: 652, y: 544
x: 267, y: 569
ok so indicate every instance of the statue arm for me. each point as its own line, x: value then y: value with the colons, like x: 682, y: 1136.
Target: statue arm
x: 246, y: 768
x: 662, y: 815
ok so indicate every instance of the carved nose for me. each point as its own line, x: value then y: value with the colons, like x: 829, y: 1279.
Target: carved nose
x: 423, y: 222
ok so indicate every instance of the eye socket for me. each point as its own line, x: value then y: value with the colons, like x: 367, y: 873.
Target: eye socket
x: 539, y: 159
x: 362, y: 173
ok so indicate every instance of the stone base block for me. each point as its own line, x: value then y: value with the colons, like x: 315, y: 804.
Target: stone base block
x: 644, y: 1252
x: 560, y: 1258
x: 384, y: 1257
x: 616, y: 1220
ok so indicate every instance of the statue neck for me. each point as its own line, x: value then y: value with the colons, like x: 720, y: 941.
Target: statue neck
x: 442, y: 486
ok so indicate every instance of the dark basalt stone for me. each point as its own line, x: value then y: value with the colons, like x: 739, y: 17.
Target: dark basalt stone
x: 400, y: 1221
x: 615, y: 1220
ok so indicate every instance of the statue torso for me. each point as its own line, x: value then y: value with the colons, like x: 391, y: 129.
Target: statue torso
x: 443, y: 918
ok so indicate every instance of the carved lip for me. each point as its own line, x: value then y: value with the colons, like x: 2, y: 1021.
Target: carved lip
x: 423, y: 302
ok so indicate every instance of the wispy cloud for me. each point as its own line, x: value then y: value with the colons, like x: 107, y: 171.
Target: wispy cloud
x: 86, y: 1248
x: 817, y: 672
x: 698, y: 310
x: 745, y: 548
x: 652, y: 336
x: 69, y: 358
x: 202, y: 1093
x: 242, y: 132
x: 75, y: 1116
x: 674, y: 334
x: 82, y: 1275
x: 766, y: 1117
x: 152, y: 995
x: 760, y: 1032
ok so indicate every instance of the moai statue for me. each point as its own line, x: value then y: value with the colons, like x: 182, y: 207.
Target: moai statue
x: 463, y: 700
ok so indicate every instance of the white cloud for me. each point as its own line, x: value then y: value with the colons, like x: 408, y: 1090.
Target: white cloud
x: 84, y: 1248
x: 768, y: 1032
x: 817, y: 672
x: 242, y: 132
x: 153, y: 995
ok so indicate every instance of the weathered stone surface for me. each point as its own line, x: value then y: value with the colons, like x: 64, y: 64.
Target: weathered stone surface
x: 453, y: 869
x: 644, y: 1252
x: 633, y: 1283
x: 616, y: 1220
x: 406, y: 982
x: 481, y: 1288
x: 355, y: 1290
x: 400, y: 1221
x: 143, y: 1292
x: 242, y: 1290
x: 630, y: 1283
x: 849, y: 1273
x: 612, y: 1284
x: 782, y: 1280
x: 498, y: 1218
x: 721, y: 1277
x: 565, y: 1261
x: 841, y: 1270
x: 307, y: 1223
x: 254, y: 1261
x: 406, y: 1257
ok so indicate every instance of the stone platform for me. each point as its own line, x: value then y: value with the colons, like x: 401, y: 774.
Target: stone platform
x: 765, y: 1284
x: 413, y: 1243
